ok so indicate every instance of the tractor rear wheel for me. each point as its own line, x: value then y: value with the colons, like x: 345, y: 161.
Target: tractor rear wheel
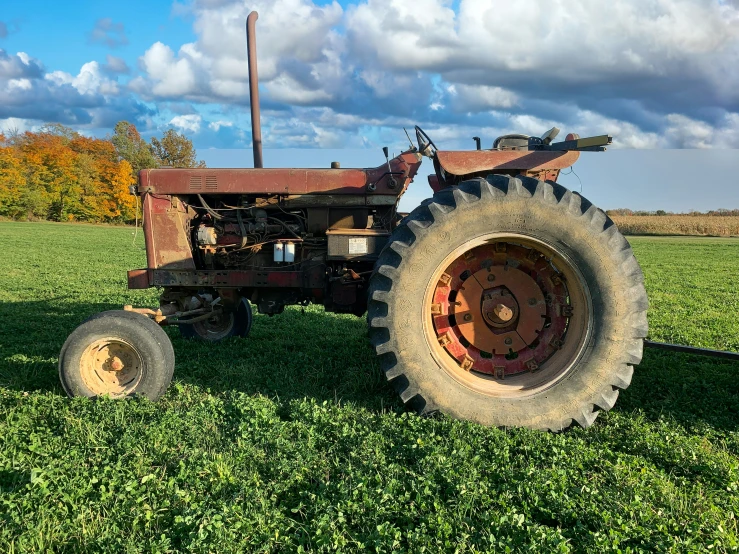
x: 222, y: 325
x: 510, y: 302
x: 118, y: 354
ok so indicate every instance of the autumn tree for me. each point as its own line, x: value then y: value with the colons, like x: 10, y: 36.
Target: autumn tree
x: 131, y: 147
x: 175, y: 150
x: 51, y: 175
x: 58, y: 174
x: 104, y: 181
x: 12, y: 181
x: 62, y: 175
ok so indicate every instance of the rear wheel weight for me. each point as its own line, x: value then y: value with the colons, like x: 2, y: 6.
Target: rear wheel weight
x: 510, y: 302
x: 118, y: 354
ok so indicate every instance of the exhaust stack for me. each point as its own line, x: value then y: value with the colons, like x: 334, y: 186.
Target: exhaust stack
x: 256, y: 125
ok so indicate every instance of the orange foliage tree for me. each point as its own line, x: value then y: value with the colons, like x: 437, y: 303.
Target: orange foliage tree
x: 60, y: 175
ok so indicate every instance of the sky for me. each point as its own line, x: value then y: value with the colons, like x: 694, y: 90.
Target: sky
x: 658, y: 75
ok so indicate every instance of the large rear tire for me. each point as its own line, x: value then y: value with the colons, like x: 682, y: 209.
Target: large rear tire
x: 118, y: 354
x: 511, y: 302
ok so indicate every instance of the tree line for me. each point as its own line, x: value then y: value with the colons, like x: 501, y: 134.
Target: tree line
x: 58, y: 174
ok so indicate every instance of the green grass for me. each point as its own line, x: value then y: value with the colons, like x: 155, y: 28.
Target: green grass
x: 291, y: 440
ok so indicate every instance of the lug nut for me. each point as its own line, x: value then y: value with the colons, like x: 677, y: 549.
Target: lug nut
x: 491, y: 278
x: 508, y: 341
x: 467, y: 317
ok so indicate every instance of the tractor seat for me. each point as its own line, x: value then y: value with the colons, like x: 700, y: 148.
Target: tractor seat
x: 511, y: 142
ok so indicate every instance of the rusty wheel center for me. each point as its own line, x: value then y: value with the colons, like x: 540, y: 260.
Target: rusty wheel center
x: 499, y: 308
x: 111, y: 366
x: 504, y: 309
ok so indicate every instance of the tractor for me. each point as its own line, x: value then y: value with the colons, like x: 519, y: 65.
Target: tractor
x: 503, y: 299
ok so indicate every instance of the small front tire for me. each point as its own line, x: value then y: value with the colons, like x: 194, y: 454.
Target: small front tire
x: 118, y: 354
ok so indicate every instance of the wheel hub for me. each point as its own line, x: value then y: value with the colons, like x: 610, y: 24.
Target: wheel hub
x: 111, y: 366
x: 501, y: 309
x: 492, y: 319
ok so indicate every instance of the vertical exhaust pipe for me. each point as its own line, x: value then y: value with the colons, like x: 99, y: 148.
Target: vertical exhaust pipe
x: 251, y: 52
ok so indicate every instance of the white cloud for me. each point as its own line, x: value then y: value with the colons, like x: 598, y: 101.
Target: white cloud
x: 477, y: 98
x: 18, y: 65
x: 684, y: 132
x: 20, y: 84
x: 190, y: 122
x: 172, y: 77
x: 504, y: 61
x: 298, y: 63
x: 216, y: 125
x: 88, y: 81
x: 15, y: 124
x: 654, y: 73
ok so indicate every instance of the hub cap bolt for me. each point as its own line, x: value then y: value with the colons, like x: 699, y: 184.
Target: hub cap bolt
x: 503, y: 312
x: 491, y: 277
x: 467, y: 317
x: 508, y: 341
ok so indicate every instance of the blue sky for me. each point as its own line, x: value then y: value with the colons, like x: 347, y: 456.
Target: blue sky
x: 656, y: 74
x: 58, y: 33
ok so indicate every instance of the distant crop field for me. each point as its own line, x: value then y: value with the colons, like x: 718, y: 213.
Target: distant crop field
x: 698, y: 225
x: 291, y: 440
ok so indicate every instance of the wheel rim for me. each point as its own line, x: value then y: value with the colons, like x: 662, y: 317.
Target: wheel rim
x: 111, y: 366
x: 217, y: 327
x: 507, y: 315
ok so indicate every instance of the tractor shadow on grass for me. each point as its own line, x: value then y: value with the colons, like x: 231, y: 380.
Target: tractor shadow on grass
x: 690, y: 389
x: 292, y: 355
x: 328, y: 357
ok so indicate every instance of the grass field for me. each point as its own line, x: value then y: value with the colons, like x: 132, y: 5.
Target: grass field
x: 291, y: 440
x: 680, y: 224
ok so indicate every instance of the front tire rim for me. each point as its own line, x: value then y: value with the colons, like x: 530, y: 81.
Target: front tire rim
x: 111, y: 366
x: 507, y: 315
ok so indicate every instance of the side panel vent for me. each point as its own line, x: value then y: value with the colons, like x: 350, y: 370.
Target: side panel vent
x: 196, y: 182
x: 211, y: 182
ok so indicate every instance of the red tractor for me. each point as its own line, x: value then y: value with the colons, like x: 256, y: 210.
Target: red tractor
x: 505, y: 298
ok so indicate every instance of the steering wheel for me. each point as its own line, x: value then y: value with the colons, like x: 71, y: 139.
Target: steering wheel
x: 424, y: 142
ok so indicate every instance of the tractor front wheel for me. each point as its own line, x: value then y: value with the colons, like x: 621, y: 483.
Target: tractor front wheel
x: 510, y: 302
x: 118, y: 354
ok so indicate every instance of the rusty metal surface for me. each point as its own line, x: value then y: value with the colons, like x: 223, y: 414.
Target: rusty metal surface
x: 238, y: 278
x: 282, y: 181
x: 504, y: 285
x: 167, y: 245
x: 256, y: 125
x: 434, y: 182
x: 358, y: 232
x: 139, y: 279
x: 538, y: 291
x: 460, y: 162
